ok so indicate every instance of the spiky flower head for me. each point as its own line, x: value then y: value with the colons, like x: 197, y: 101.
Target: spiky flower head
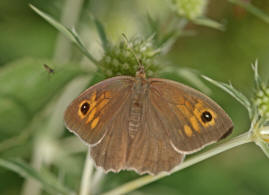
x: 262, y: 102
x: 190, y: 8
x: 124, y: 58
x: 261, y: 105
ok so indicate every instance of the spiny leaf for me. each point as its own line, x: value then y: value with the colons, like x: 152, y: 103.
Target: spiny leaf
x: 233, y: 92
x: 204, y: 21
x: 81, y: 45
x: 257, y: 78
x: 70, y: 34
x: 102, y: 33
x: 193, y: 78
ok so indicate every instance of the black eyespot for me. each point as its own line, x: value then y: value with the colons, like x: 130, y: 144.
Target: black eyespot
x: 84, y: 108
x: 206, y: 117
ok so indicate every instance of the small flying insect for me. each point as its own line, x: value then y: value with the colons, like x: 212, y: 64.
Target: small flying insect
x: 49, y: 69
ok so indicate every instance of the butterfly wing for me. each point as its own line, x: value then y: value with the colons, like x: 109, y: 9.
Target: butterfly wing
x: 190, y: 119
x: 110, y: 153
x: 150, y: 150
x: 88, y: 114
x: 170, y: 125
x: 145, y: 150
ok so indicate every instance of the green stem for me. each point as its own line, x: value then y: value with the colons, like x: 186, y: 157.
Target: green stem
x: 86, y: 175
x: 135, y: 184
x: 62, y: 52
x: 252, y: 9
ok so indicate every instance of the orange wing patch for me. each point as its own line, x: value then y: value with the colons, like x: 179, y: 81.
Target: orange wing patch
x: 186, y: 109
x: 195, y: 124
x: 187, y: 130
x: 96, y: 106
x: 94, y: 123
x: 102, y: 104
x: 91, y: 116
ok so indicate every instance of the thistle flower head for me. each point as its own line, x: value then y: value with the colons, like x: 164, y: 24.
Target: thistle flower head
x: 122, y: 59
x: 262, y: 101
x: 190, y: 8
x: 258, y: 108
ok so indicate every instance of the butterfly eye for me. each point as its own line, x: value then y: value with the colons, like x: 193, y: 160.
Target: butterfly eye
x: 84, y: 108
x: 206, y: 116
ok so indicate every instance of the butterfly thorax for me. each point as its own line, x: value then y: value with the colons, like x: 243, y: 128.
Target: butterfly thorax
x: 139, y: 93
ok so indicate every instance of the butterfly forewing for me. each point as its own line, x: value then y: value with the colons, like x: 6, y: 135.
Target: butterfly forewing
x: 89, y: 114
x: 111, y: 152
x: 190, y: 119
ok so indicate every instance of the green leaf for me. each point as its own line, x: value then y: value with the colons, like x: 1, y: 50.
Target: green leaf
x: 257, y: 79
x: 204, y: 21
x: 192, y: 77
x: 102, y: 33
x: 252, y: 9
x: 164, y: 39
x: 69, y: 33
x: 233, y: 92
x: 54, y: 23
x: 154, y: 25
x: 25, y: 89
x: 49, y: 184
x: 188, y: 75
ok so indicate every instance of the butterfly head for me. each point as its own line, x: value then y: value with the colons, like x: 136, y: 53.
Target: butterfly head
x: 141, y: 72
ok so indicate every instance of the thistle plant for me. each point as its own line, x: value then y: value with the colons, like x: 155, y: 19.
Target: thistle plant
x: 190, y: 8
x: 119, y: 59
x: 257, y: 133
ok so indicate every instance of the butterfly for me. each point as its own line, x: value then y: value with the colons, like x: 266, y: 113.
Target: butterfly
x: 145, y: 124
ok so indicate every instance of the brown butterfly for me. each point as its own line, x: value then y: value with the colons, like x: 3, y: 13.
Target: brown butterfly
x: 146, y: 125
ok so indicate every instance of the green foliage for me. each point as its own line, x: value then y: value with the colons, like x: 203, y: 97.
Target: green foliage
x: 252, y: 9
x: 234, y: 93
x: 49, y: 184
x: 32, y: 100
x: 258, y: 108
x: 26, y: 88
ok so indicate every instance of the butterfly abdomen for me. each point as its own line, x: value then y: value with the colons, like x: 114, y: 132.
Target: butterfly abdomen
x: 139, y: 91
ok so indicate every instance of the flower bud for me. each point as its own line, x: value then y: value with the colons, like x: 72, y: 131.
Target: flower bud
x: 190, y: 8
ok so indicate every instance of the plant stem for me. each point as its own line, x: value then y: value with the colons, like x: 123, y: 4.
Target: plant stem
x: 86, y: 175
x: 62, y: 52
x: 97, y: 181
x: 135, y: 184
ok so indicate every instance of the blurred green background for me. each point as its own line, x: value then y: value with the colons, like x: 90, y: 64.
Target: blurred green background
x: 30, y: 95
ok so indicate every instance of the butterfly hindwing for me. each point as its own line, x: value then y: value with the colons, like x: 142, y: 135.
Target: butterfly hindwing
x: 111, y: 152
x: 191, y: 119
x: 150, y: 150
x: 147, y: 151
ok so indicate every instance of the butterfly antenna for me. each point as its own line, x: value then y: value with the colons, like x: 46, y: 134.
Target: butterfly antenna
x: 139, y: 61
